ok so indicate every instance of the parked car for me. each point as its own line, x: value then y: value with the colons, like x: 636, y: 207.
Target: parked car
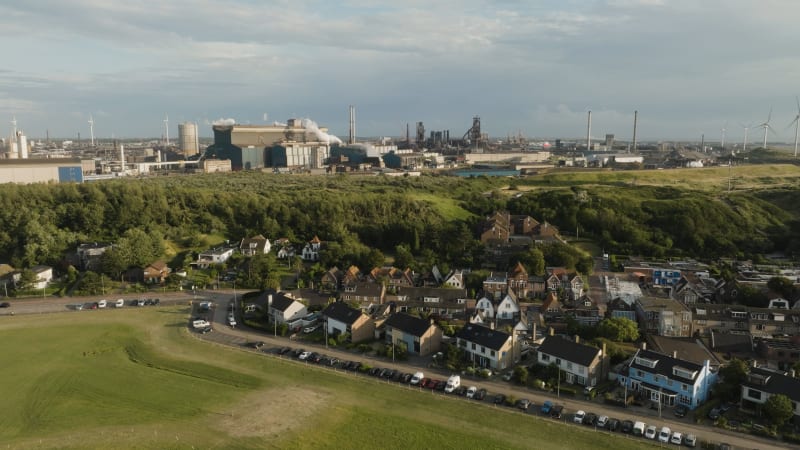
x: 602, y: 421
x: 650, y: 432
x: 471, y: 391
x: 556, y: 411
x: 680, y: 411
x: 5, y: 305
x: 480, y: 395
x: 119, y: 303
x: 406, y: 378
x: 523, y: 404
x: 677, y: 438
x: 664, y: 435
x: 590, y: 419
x: 612, y: 424
x: 303, y: 356
x: 714, y: 414
x: 296, y: 353
x: 452, y: 383
x: 310, y: 329
x: 431, y: 384
x: 639, y: 428
x: 102, y: 304
x: 206, y: 330
x: 375, y: 371
x: 499, y: 399
x: 440, y: 385
x: 284, y: 350
x: 626, y: 426
x: 417, y: 378
x: 389, y: 373
x: 579, y: 416
x: 690, y: 440
x: 547, y: 406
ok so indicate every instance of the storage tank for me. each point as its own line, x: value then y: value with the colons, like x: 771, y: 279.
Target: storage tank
x: 187, y: 138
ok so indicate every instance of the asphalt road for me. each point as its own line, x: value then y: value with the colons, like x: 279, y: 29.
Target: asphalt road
x: 240, y: 336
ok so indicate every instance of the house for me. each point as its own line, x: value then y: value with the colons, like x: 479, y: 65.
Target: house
x: 668, y: 379
x: 582, y: 364
x: 780, y: 354
x: 506, y: 308
x: 551, y: 307
x: 495, y: 285
x: 762, y: 383
x: 391, y: 276
x: 283, y: 308
x: 618, y: 307
x: 331, y: 280
x: 155, y: 273
x: 256, y: 245
x: 44, y: 275
x: 364, y: 294
x: 664, y: 316
x: 586, y: 311
x: 285, y: 249
x: 89, y: 255
x: 455, y: 279
x: 341, y: 318
x: 311, y: 250
x: 518, y: 280
x: 444, y: 303
x: 661, y: 277
x: 416, y: 335
x: 759, y: 322
x: 690, y: 290
x: 486, y: 347
x: 213, y: 256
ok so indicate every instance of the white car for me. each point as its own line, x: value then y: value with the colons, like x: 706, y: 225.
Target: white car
x: 102, y: 304
x: 664, y: 435
x: 578, y: 417
x: 310, y: 329
x: 651, y: 432
x: 677, y: 438
x: 417, y: 378
x: 119, y: 303
x: 471, y: 391
x: 602, y: 421
x: 304, y: 356
x: 231, y: 320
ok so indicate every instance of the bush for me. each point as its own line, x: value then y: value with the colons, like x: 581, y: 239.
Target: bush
x: 332, y: 342
x: 470, y: 371
x: 485, y: 373
x: 537, y: 383
x: 364, y: 348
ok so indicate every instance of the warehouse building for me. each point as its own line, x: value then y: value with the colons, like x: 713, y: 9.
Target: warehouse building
x: 59, y: 170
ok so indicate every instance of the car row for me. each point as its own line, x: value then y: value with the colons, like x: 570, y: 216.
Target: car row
x: 665, y: 435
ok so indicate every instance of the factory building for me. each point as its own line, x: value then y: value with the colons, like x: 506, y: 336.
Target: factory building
x: 61, y: 170
x: 298, y: 143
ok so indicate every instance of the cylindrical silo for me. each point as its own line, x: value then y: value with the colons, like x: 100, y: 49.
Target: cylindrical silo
x: 187, y: 137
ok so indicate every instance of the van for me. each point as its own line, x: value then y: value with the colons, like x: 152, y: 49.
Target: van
x: 101, y: 304
x: 452, y: 384
x: 119, y: 303
x: 638, y: 428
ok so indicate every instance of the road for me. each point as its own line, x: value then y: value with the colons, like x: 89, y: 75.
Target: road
x: 237, y: 337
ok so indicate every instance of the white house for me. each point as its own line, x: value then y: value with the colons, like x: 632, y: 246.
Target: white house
x: 485, y: 347
x: 485, y: 307
x: 508, y: 308
x: 455, y: 279
x: 255, y: 245
x: 311, y: 250
x: 44, y: 275
x: 214, y: 256
x: 581, y: 364
x: 283, y: 308
x: 762, y: 383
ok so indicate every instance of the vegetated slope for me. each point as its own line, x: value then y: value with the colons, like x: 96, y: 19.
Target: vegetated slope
x: 72, y: 382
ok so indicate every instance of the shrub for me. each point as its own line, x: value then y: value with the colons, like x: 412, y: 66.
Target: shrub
x: 332, y: 342
x: 470, y: 371
x: 485, y: 373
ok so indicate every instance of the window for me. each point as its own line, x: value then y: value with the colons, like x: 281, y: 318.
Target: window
x: 640, y: 374
x: 483, y: 349
x: 473, y: 346
x: 558, y: 361
x: 545, y: 357
x: 669, y: 382
x: 491, y: 353
x: 754, y: 394
x: 569, y: 365
x: 685, y: 387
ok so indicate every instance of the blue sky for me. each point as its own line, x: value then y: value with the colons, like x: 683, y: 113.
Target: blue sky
x: 533, y: 67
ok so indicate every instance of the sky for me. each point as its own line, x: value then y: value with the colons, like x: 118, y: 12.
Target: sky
x: 534, y: 67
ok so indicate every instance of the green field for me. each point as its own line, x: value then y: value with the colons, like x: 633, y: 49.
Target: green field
x: 125, y: 379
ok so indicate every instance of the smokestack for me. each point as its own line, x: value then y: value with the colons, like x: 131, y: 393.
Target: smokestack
x: 408, y: 135
x: 589, y: 132
x: 635, y: 120
x: 23, y: 146
x: 352, y: 139
x: 703, y: 143
x: 122, y: 158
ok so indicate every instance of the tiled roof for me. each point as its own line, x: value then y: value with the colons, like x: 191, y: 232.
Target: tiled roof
x: 341, y: 312
x: 774, y: 383
x: 664, y: 365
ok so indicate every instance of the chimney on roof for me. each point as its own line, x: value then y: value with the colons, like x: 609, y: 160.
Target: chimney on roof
x: 675, y: 354
x: 644, y: 345
x: 269, y: 300
x: 577, y: 339
x: 491, y: 324
x: 552, y: 331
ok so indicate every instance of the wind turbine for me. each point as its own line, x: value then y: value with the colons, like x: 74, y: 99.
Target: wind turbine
x: 91, y: 128
x: 744, y: 143
x: 796, y: 123
x: 724, y: 128
x: 766, y: 126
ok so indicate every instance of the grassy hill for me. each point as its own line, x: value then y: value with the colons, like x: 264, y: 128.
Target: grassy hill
x: 127, y: 378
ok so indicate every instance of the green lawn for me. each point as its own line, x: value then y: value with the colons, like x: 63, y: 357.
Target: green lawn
x: 136, y: 378
x: 447, y: 207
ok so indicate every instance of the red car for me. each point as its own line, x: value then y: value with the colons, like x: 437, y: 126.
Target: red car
x: 431, y: 384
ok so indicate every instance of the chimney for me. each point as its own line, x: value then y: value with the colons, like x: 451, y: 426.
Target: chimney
x: 644, y: 345
x: 552, y: 331
x: 577, y: 339
x: 491, y: 324
x: 269, y: 300
x: 675, y: 354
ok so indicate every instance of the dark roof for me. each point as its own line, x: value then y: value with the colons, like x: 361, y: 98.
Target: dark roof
x: 569, y: 350
x: 281, y: 302
x: 774, y: 383
x: 665, y: 365
x: 484, y: 336
x: 446, y: 294
x: 688, y: 349
x: 341, y: 312
x: 408, y: 324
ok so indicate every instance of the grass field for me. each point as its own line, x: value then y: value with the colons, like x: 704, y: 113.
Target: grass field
x: 447, y: 207
x: 124, y: 379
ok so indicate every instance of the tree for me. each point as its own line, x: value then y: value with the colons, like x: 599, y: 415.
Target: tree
x: 782, y: 286
x: 520, y: 374
x: 26, y: 280
x: 778, y: 408
x: 733, y: 375
x: 403, y: 257
x: 619, y: 329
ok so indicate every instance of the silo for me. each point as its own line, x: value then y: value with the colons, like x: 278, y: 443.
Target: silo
x: 187, y: 137
x: 23, y: 146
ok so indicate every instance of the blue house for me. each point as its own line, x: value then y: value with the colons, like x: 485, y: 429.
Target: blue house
x: 668, y: 379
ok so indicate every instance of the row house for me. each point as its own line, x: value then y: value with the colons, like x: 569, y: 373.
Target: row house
x: 782, y: 354
x: 759, y: 322
x: 486, y: 347
x: 455, y: 279
x: 664, y: 316
x: 364, y: 294
x: 335, y: 279
x: 445, y: 303
x: 586, y: 311
x: 691, y: 289
x: 285, y: 248
x: 391, y: 276
x: 667, y: 379
x: 506, y: 308
x: 559, y: 278
x: 581, y: 364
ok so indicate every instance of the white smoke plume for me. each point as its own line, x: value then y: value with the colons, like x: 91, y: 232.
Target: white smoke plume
x: 224, y: 122
x: 312, y: 126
